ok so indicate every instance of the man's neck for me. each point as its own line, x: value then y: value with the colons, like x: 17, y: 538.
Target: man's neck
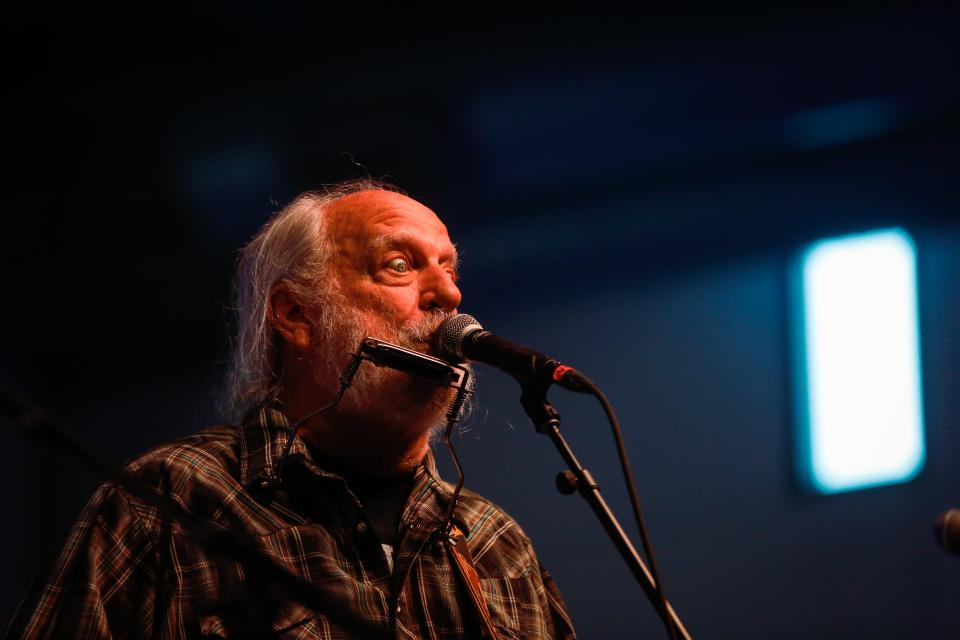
x: 380, y: 445
x: 372, y: 453
x: 369, y: 447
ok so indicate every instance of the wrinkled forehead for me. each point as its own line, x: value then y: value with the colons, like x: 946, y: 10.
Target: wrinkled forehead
x: 372, y: 219
x: 370, y: 207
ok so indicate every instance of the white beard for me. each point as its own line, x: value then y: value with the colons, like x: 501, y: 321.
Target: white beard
x: 394, y: 399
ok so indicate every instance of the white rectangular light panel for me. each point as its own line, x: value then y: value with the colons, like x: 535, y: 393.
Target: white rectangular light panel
x: 860, y: 392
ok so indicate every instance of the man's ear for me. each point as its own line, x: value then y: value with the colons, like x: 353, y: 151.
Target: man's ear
x: 288, y: 315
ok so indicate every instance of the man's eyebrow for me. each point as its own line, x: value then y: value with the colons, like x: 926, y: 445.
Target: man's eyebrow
x: 391, y: 240
x: 399, y: 238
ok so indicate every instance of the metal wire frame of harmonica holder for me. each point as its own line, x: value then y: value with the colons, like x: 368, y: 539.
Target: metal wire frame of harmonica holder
x: 455, y: 376
x: 386, y: 354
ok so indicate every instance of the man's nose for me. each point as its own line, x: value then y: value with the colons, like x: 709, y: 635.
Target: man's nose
x: 438, y: 289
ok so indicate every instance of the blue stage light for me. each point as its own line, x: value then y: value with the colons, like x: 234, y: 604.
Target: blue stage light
x: 858, y: 352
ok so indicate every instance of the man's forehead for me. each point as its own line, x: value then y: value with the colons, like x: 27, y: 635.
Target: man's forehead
x: 356, y: 208
x: 378, y: 219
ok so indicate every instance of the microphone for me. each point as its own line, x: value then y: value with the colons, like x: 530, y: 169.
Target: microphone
x: 947, y: 531
x: 461, y: 337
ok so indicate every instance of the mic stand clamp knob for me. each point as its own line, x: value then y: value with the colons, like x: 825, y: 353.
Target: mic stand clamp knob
x: 567, y: 482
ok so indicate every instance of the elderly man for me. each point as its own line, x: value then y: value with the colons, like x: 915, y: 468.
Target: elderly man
x: 355, y: 510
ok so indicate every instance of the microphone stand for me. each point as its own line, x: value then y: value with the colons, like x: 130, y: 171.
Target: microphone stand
x: 546, y: 420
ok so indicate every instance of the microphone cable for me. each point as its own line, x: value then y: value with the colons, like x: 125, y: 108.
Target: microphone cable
x: 601, y: 397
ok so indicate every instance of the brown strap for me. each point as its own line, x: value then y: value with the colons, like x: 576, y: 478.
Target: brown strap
x: 457, y: 544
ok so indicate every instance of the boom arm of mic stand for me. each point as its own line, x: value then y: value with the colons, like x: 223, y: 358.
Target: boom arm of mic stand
x: 547, y: 421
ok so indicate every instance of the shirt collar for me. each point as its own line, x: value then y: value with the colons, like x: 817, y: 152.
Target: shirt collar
x: 263, y: 436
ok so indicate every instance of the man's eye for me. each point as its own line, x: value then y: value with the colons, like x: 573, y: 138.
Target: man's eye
x: 399, y: 265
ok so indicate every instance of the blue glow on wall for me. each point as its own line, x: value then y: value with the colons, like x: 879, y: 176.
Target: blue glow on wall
x: 843, y: 123
x: 858, y: 352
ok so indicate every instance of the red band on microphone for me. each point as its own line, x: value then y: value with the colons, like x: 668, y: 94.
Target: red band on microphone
x: 560, y: 371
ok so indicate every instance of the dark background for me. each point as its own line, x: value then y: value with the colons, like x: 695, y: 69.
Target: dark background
x: 627, y: 191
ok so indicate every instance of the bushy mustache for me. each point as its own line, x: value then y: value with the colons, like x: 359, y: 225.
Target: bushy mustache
x: 422, y: 331
x: 345, y: 332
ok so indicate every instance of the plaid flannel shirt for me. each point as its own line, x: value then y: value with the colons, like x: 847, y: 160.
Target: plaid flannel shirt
x: 127, y: 571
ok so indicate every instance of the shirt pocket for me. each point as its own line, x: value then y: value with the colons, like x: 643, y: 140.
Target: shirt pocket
x: 514, y: 605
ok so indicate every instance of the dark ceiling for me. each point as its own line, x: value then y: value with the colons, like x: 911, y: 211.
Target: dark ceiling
x: 145, y: 148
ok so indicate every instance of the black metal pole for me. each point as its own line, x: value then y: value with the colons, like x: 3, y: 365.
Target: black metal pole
x: 547, y: 421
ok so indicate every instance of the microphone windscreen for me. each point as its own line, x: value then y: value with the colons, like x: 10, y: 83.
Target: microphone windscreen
x: 948, y: 531
x: 449, y: 336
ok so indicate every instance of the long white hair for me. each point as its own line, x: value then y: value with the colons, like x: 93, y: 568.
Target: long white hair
x: 292, y: 248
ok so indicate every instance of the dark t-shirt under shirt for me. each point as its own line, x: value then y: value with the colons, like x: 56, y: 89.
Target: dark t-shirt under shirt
x: 382, y: 498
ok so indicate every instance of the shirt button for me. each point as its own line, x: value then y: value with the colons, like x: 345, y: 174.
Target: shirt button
x: 361, y: 527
